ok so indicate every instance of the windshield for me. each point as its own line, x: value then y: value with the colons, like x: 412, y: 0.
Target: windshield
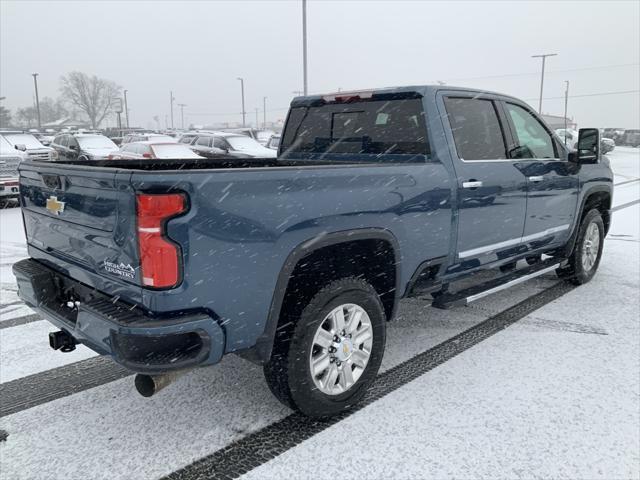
x: 241, y: 143
x: 4, y: 144
x: 25, y: 139
x: 367, y: 127
x: 96, y: 142
x: 173, y: 150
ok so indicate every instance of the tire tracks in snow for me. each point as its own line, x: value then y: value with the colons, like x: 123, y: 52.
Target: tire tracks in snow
x: 273, y: 440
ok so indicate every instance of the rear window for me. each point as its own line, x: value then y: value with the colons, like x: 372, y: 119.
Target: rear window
x: 173, y: 150
x: 368, y: 128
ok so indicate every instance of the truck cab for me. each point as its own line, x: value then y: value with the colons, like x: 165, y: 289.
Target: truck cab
x: 297, y: 262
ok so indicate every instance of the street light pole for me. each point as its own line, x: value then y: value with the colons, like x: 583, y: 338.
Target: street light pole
x: 126, y: 108
x: 35, y: 83
x: 544, y: 58
x: 182, y: 105
x: 244, y: 123
x: 566, y: 102
x: 257, y: 110
x: 264, y: 112
x: 171, y: 99
x: 304, y: 46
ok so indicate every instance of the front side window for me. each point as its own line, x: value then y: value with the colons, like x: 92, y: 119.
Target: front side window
x: 204, y: 141
x: 533, y: 139
x: 372, y: 129
x: 219, y: 143
x: 476, y: 129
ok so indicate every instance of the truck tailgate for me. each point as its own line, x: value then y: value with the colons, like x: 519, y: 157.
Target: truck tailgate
x: 83, y: 216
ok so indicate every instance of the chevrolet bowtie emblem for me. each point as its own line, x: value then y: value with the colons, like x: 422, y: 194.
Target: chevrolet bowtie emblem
x: 54, y: 206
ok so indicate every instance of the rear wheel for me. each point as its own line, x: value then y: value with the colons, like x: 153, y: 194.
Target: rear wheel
x: 334, y: 352
x: 585, y: 259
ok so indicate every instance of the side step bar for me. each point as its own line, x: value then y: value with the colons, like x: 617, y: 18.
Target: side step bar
x: 465, y: 297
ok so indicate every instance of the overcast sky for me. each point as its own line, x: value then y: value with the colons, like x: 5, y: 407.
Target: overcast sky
x: 197, y: 49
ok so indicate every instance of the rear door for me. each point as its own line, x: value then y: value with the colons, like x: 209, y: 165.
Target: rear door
x: 491, y: 196
x: 552, y: 181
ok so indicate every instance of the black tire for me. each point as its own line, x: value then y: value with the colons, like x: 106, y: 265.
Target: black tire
x: 288, y: 371
x: 574, y: 270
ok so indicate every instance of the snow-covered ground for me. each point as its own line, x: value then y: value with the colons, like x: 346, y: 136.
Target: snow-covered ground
x: 555, y: 395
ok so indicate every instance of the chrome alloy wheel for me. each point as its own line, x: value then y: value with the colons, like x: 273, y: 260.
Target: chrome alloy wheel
x: 590, y: 247
x: 341, y: 349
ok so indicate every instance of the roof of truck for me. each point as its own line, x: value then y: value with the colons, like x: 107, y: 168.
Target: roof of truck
x: 419, y: 90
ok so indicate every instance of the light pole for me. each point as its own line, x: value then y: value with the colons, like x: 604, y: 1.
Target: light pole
x: 126, y: 108
x: 171, y: 99
x: 35, y: 84
x: 566, y: 102
x: 297, y: 92
x: 264, y: 112
x: 304, y: 45
x: 257, y: 110
x: 544, y: 58
x: 244, y: 123
x: 182, y: 105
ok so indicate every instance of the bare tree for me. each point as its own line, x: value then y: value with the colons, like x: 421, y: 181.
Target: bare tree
x: 94, y: 96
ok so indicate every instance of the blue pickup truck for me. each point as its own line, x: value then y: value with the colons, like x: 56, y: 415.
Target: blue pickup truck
x: 298, y: 262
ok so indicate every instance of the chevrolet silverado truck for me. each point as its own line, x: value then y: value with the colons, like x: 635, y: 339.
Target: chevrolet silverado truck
x: 298, y: 262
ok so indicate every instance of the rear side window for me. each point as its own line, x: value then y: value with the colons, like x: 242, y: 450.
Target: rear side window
x: 533, y: 139
x: 476, y: 129
x: 373, y: 129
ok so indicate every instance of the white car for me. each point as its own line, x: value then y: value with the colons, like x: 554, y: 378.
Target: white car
x: 30, y: 145
x: 221, y: 145
x: 153, y: 149
x: 569, y: 137
x: 10, y: 158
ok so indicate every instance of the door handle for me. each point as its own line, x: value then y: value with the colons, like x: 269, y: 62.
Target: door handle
x: 471, y: 184
x: 536, y: 179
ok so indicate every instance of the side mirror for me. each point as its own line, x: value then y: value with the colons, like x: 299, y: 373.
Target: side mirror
x: 22, y: 147
x: 73, y: 147
x: 588, y: 146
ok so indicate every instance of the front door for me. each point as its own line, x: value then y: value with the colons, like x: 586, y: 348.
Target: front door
x: 552, y: 181
x: 491, y: 197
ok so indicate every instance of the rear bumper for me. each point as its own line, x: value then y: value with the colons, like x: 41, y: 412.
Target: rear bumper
x: 136, y: 340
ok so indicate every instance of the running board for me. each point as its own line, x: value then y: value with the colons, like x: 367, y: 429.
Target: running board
x: 465, y: 297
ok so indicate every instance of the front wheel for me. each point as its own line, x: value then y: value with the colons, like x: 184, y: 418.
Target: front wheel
x: 585, y: 259
x: 334, y: 352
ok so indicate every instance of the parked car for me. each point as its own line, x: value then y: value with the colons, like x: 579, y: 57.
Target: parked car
x: 568, y: 136
x: 607, y: 145
x: 260, y: 136
x: 83, y: 147
x: 44, y: 138
x: 10, y: 158
x: 631, y: 138
x: 274, y: 142
x: 229, y: 145
x: 153, y: 149
x: 30, y: 145
x: 143, y: 137
x: 297, y: 263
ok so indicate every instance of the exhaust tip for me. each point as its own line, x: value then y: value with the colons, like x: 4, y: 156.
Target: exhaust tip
x: 145, y: 385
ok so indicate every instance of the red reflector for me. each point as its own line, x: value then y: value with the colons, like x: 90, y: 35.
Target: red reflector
x: 159, y: 257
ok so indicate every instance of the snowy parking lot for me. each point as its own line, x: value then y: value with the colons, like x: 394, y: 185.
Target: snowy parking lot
x: 538, y: 381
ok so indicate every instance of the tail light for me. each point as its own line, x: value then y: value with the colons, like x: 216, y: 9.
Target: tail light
x: 159, y: 256
x: 147, y: 155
